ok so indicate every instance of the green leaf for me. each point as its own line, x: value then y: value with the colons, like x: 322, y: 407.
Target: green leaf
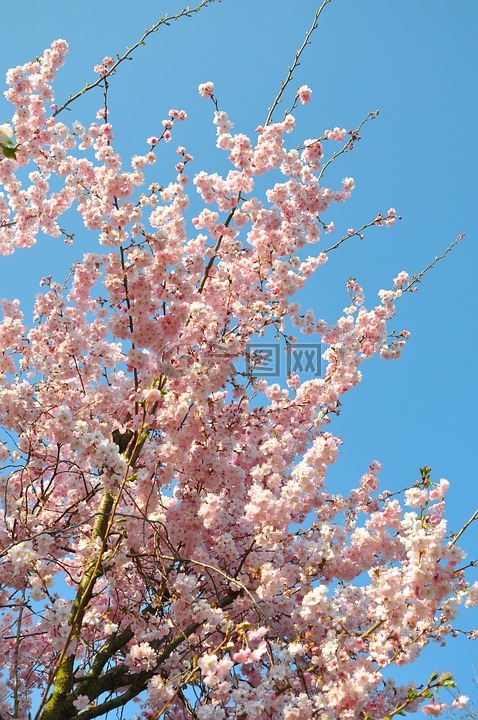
x: 446, y: 680
x: 10, y: 151
x: 425, y: 474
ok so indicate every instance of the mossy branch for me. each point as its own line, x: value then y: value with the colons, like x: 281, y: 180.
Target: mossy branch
x: 62, y: 677
x: 120, y: 677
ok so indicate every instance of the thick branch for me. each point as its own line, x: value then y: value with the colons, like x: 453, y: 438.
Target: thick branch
x: 120, y: 676
x: 111, y: 646
x: 62, y: 677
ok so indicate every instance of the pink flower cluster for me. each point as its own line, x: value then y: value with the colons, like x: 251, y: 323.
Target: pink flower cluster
x: 104, y: 68
x: 336, y: 134
x: 304, y: 93
x: 183, y: 500
x: 206, y: 90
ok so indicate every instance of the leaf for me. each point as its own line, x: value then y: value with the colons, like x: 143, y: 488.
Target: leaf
x: 425, y: 474
x: 446, y: 680
x: 9, y: 151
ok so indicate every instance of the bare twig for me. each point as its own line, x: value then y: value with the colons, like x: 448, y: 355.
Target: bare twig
x: 417, y: 278
x: 296, y: 62
x: 232, y: 580
x: 359, y: 233
x: 354, y: 136
x: 217, y: 246
x: 427, y: 692
x: 465, y: 527
x: 166, y: 20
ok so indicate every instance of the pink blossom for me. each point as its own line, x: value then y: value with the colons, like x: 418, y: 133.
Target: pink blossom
x: 434, y: 709
x: 472, y: 595
x: 215, y: 550
x: 336, y: 134
x: 415, y: 497
x: 152, y: 395
x: 180, y: 115
x: 141, y: 657
x: 460, y: 702
x: 105, y: 66
x: 214, y: 669
x: 206, y: 90
x: 437, y: 492
x: 304, y: 93
x: 6, y: 132
x: 247, y: 656
x: 81, y: 702
x: 401, y: 279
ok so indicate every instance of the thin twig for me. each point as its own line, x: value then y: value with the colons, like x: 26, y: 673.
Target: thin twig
x: 444, y: 680
x: 230, y: 579
x: 465, y: 526
x: 296, y: 62
x: 379, y: 221
x: 166, y: 20
x: 217, y: 246
x: 417, y: 278
x: 354, y: 137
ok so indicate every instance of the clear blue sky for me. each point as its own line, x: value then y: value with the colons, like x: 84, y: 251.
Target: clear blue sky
x: 417, y: 63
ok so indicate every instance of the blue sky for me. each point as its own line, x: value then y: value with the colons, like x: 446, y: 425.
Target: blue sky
x: 417, y: 63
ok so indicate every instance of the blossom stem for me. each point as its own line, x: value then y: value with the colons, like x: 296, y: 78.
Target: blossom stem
x: 296, y: 62
x: 166, y: 20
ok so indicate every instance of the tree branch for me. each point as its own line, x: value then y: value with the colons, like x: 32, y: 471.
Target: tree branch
x: 166, y: 20
x: 296, y: 62
x: 121, y: 677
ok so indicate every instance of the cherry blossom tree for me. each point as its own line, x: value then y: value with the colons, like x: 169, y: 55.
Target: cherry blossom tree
x: 166, y: 532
